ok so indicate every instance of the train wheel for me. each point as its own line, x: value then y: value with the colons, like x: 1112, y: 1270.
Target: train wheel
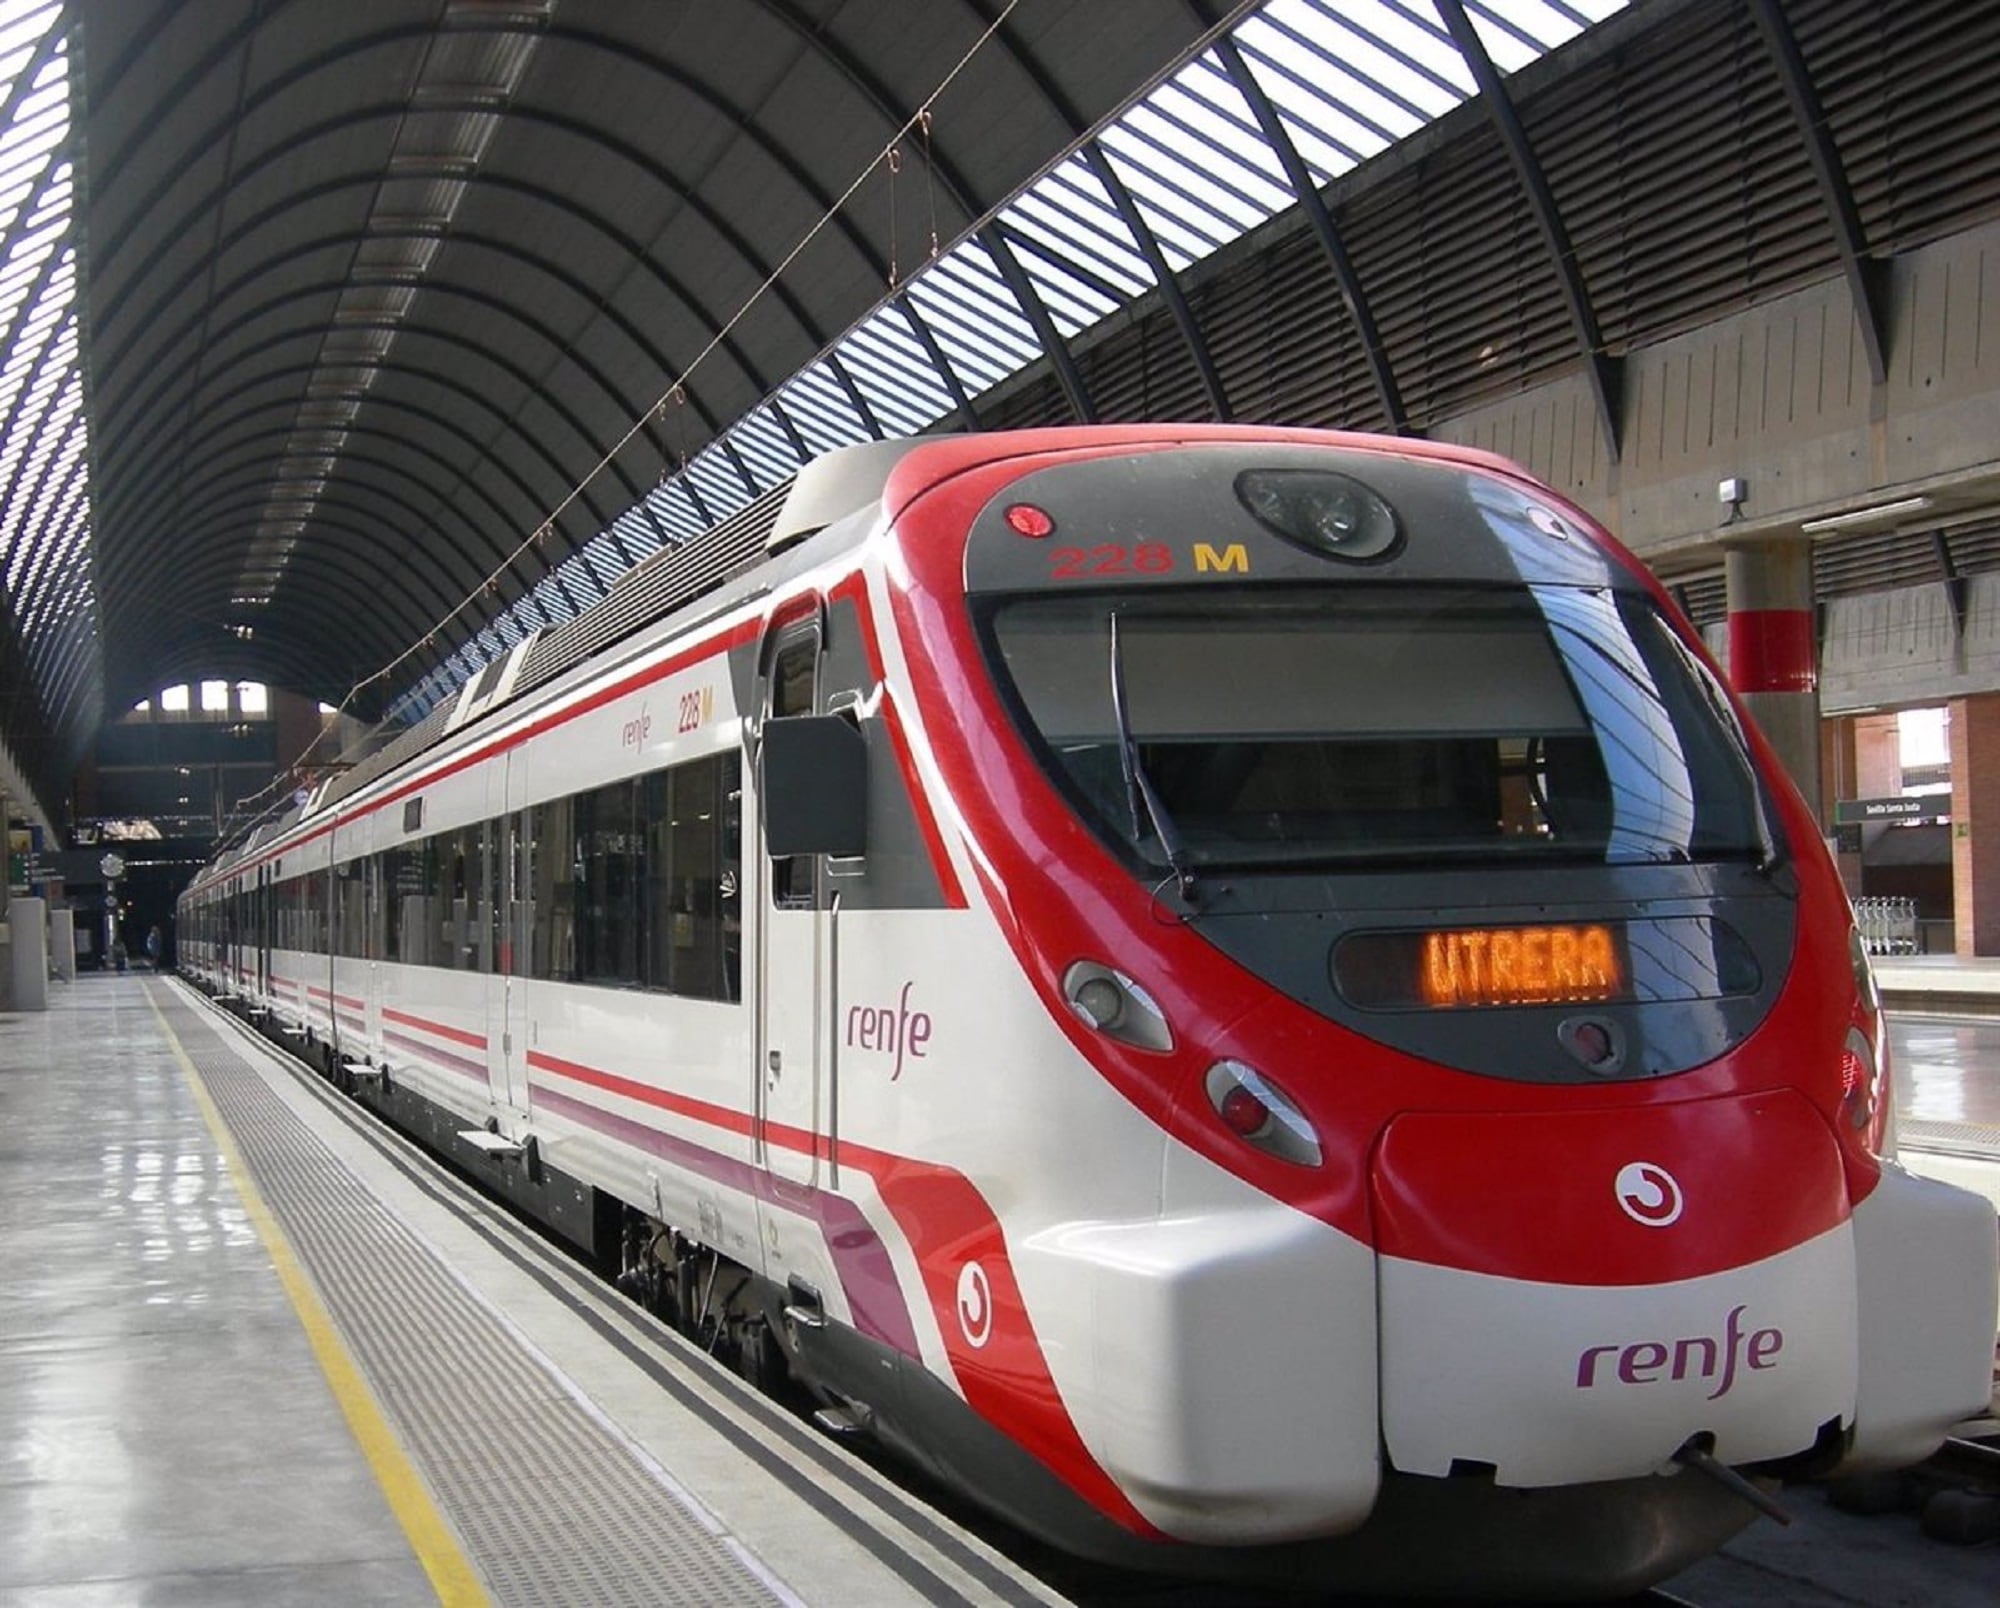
x: 1964, y: 1518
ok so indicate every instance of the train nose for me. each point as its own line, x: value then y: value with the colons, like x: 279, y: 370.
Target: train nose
x: 1571, y: 1297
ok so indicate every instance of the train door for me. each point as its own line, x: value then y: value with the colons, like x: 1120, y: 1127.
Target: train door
x: 261, y: 923
x: 380, y: 892
x: 330, y: 935
x: 791, y: 949
x: 506, y: 1019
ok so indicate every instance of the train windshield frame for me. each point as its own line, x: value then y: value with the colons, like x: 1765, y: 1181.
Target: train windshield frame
x: 1328, y: 727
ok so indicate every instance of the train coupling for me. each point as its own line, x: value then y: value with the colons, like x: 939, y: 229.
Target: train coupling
x: 1697, y: 1457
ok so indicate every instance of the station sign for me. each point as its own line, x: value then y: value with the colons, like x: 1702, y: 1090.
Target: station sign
x: 1920, y: 807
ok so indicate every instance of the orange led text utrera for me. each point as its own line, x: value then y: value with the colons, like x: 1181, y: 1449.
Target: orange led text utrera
x: 1520, y: 966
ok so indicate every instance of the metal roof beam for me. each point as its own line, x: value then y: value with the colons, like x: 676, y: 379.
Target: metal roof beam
x: 1387, y: 392
x: 628, y: 246
x: 1603, y: 370
x: 1165, y: 278
x: 1062, y: 361
x: 1867, y: 280
x: 544, y: 333
x: 1127, y: 209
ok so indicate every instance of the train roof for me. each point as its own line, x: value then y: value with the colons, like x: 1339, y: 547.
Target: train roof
x: 733, y: 559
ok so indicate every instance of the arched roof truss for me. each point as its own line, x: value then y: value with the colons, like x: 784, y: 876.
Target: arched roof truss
x: 436, y: 316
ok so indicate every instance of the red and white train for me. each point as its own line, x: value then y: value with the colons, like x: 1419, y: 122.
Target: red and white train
x: 1247, y: 996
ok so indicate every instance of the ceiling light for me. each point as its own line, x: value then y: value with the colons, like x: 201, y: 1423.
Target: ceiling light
x: 1857, y: 517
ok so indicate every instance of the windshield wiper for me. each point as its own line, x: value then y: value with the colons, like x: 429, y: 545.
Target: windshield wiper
x: 1138, y: 786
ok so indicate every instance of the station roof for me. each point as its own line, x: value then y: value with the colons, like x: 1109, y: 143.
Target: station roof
x: 390, y: 333
x: 379, y: 293
x: 405, y: 327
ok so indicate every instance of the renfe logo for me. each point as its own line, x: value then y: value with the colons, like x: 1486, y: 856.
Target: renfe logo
x: 975, y: 1305
x: 1647, y: 1194
x: 897, y: 1032
x: 1701, y: 1356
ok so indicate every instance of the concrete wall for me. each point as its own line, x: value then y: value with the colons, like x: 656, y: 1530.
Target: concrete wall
x: 1779, y: 394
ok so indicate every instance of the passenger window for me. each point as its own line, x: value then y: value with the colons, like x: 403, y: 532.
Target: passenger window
x: 795, y: 691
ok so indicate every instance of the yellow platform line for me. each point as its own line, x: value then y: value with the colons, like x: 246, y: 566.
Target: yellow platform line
x: 454, y: 1579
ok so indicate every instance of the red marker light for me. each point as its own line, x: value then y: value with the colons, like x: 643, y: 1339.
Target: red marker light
x: 1025, y: 519
x: 1260, y: 1113
x: 1242, y: 1112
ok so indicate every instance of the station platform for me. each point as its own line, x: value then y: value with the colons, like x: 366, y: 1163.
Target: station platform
x: 256, y: 1350
x: 1939, y: 982
x: 1944, y: 1025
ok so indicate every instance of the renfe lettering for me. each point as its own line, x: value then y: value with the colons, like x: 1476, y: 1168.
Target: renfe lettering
x: 1647, y: 1362
x: 901, y: 1032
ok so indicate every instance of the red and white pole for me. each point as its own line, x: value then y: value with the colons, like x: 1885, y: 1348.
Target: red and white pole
x: 1774, y: 652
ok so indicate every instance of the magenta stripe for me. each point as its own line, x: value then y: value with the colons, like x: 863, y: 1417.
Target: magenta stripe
x: 430, y: 1053
x: 860, y: 1259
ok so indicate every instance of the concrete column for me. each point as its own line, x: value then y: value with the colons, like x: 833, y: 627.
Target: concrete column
x: 28, y: 928
x: 1774, y: 654
x: 62, y: 943
x: 1975, y: 823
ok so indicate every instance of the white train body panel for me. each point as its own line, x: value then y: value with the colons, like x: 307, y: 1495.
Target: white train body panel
x: 1603, y: 1382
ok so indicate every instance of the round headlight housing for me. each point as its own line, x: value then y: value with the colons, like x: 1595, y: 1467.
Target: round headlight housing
x: 1327, y: 514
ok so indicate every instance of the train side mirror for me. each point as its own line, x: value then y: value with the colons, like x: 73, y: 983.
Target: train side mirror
x: 812, y: 785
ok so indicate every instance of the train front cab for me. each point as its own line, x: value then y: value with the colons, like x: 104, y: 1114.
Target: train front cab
x: 1519, y: 1245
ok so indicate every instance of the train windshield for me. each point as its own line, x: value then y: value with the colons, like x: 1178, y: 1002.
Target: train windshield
x: 1382, y: 725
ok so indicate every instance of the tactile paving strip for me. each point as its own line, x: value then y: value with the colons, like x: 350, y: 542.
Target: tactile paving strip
x: 1961, y: 1138
x: 552, y: 1508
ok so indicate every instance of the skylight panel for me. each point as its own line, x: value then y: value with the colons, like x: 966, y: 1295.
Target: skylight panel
x: 764, y: 446
x: 975, y: 318
x: 23, y: 26
x: 44, y: 524
x: 1177, y: 198
x: 1221, y: 186
x: 674, y: 508
x: 821, y: 410
x: 891, y: 369
x: 1073, y: 302
x: 604, y: 561
x: 721, y: 491
x: 1070, y: 215
x: 1520, y: 31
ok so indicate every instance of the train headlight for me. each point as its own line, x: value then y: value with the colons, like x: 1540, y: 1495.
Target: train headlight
x: 1115, y: 1006
x: 1260, y: 1113
x: 1329, y: 515
x: 1864, y: 973
x: 1865, y: 1100
x: 1857, y: 1079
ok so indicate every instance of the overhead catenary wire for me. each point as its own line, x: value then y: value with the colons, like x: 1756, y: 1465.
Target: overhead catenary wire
x: 888, y: 156
x: 254, y: 808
